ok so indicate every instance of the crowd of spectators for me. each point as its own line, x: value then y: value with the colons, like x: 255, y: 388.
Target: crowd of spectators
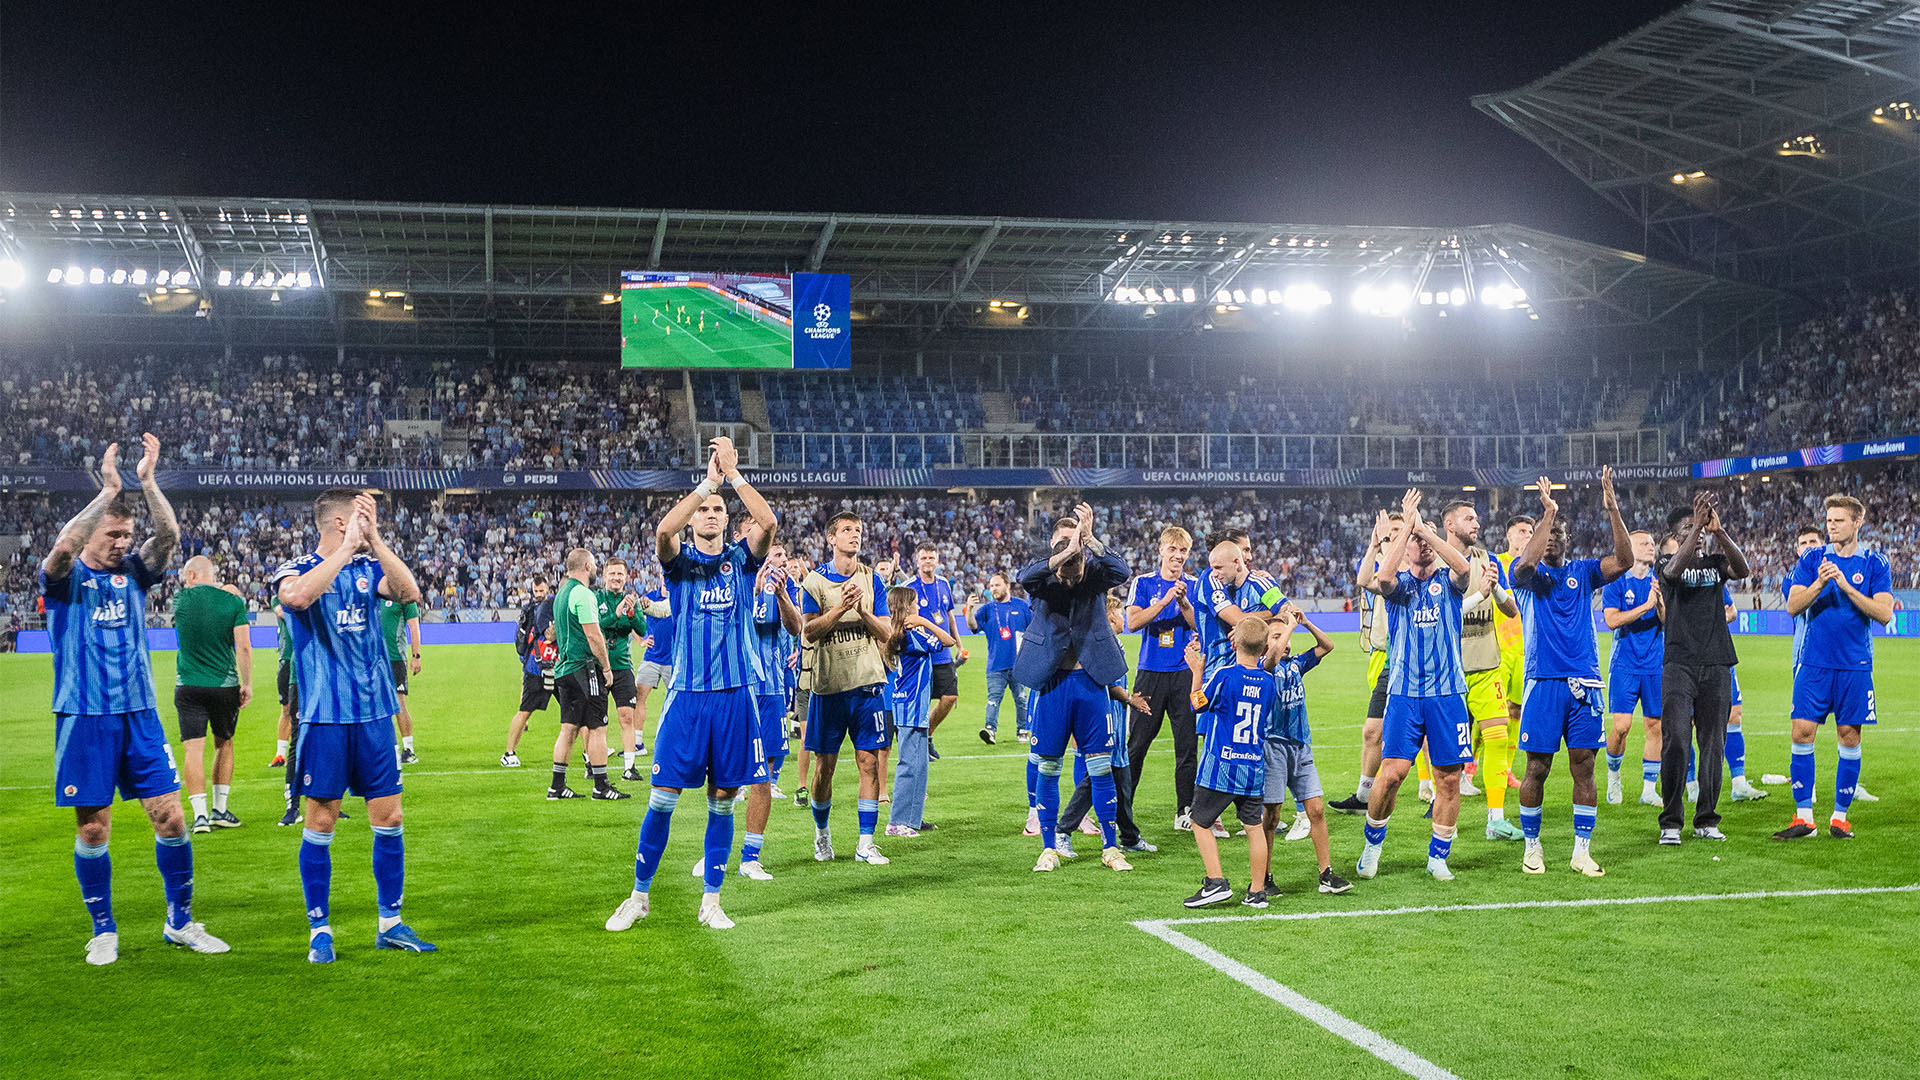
x: 283, y: 411
x: 475, y: 554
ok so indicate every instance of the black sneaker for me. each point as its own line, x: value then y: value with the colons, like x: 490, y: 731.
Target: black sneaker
x: 1352, y: 804
x: 800, y: 796
x: 932, y: 754
x: 632, y: 775
x: 1270, y: 888
x: 1799, y: 830
x: 554, y: 794
x: 224, y: 819
x: 1256, y: 898
x: 1212, y: 891
x: 1840, y: 830
x: 986, y: 735
x: 1331, y: 882
x: 608, y: 793
x: 291, y: 817
x: 408, y: 757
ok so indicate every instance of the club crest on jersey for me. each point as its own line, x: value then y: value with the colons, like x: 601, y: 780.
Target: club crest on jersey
x: 72, y: 791
x: 1858, y: 577
x: 361, y: 584
x: 726, y: 566
x: 120, y: 580
x: 1573, y: 583
x: 1433, y: 588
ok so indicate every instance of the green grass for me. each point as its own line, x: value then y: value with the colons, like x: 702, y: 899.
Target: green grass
x: 955, y: 960
x: 653, y: 336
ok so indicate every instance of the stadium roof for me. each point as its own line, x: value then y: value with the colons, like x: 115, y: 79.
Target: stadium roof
x: 1770, y: 141
x: 301, y: 271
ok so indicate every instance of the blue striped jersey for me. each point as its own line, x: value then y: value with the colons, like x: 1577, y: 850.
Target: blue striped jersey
x: 660, y: 629
x: 1290, y: 714
x: 1838, y: 634
x: 97, y: 623
x: 772, y: 644
x: 936, y: 606
x: 1423, y: 635
x: 1240, y: 702
x: 1556, y: 617
x: 713, y: 617
x: 912, y: 685
x: 1119, y: 726
x: 1639, y: 647
x: 1256, y: 595
x: 339, y: 656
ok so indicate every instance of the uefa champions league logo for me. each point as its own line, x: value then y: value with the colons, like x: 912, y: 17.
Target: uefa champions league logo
x: 821, y: 313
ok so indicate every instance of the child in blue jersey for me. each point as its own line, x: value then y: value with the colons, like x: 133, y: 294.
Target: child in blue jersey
x: 708, y: 733
x: 1562, y: 699
x: 1631, y: 605
x: 1289, y: 744
x: 107, y: 732
x: 1426, y: 684
x: 1232, y: 769
x: 1843, y: 588
x: 913, y: 650
x: 347, y: 705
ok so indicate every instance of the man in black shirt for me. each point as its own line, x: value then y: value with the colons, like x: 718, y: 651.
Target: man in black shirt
x: 1697, y: 670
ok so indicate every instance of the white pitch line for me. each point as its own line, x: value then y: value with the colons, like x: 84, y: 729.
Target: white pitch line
x: 1363, y: 1037
x: 1372, y: 1041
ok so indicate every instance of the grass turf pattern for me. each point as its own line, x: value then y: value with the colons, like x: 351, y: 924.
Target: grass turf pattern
x: 654, y: 335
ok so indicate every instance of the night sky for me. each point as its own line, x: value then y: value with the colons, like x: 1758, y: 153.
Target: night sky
x: 1310, y: 113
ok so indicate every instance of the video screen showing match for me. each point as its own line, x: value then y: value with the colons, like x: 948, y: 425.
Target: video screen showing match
x: 741, y: 321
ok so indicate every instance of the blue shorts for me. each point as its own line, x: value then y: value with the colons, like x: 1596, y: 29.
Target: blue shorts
x: 1736, y: 686
x: 1553, y: 711
x: 860, y: 712
x: 1070, y: 703
x: 95, y: 752
x: 1440, y: 722
x: 709, y: 738
x: 1629, y: 689
x: 773, y: 724
x: 1846, y: 694
x: 336, y: 758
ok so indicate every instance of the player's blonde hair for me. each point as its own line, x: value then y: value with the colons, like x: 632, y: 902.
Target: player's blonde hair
x: 1174, y: 534
x: 1850, y: 504
x: 1250, y: 635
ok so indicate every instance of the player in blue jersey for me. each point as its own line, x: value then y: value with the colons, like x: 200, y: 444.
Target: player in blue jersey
x: 913, y: 649
x: 1843, y: 587
x: 1160, y: 607
x: 1806, y: 540
x: 1232, y: 770
x: 1289, y: 745
x: 1000, y: 620
x: 1229, y: 591
x: 847, y: 614
x: 1561, y: 703
x: 1632, y: 609
x: 107, y: 732
x: 1070, y: 658
x: 708, y: 733
x: 347, y: 703
x: 1426, y: 683
x: 936, y: 598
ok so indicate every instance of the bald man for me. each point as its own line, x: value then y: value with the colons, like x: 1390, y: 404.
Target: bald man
x: 213, y: 681
x: 1228, y: 592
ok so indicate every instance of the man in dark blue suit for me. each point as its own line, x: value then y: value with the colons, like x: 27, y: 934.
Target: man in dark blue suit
x: 1068, y: 658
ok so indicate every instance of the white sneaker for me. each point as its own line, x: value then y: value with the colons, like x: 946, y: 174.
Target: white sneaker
x: 1583, y: 862
x: 1183, y: 821
x: 1426, y: 791
x: 510, y: 760
x: 1649, y: 796
x: 775, y: 793
x: 823, y: 845
x: 752, y: 869
x: 194, y: 936
x: 1114, y: 859
x: 1744, y: 791
x: 1534, y: 861
x: 1438, y: 868
x: 1049, y: 861
x: 633, y: 908
x: 1670, y: 837
x: 710, y: 914
x: 1369, y: 863
x: 1300, y: 828
x: 869, y: 854
x: 1693, y: 791
x: 103, y: 949
x: 1709, y: 833
x: 1467, y: 788
x: 1614, y: 792
x: 1860, y: 794
x: 1220, y: 831
x: 1063, y: 845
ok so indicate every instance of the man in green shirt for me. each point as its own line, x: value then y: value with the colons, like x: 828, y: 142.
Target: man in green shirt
x: 213, y: 681
x: 581, y: 678
x: 621, y: 621
x: 400, y: 628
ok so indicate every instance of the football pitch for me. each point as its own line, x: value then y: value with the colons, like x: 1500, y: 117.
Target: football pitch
x: 1750, y: 958
x: 656, y: 332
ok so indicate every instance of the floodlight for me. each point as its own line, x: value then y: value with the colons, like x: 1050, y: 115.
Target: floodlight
x: 119, y: 277
x: 1459, y: 296
x: 225, y: 278
x: 96, y: 276
x: 54, y: 275
x: 1258, y: 296
x: 12, y: 274
x: 1188, y: 296
x: 139, y: 276
x: 162, y: 278
x: 246, y: 280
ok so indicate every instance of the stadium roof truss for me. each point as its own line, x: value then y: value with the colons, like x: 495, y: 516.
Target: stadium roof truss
x: 1768, y: 141
x: 297, y: 271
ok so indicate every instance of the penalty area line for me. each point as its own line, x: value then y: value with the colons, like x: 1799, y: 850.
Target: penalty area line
x: 1372, y: 1041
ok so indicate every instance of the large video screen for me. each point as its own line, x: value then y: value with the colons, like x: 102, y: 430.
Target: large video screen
x: 711, y: 320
